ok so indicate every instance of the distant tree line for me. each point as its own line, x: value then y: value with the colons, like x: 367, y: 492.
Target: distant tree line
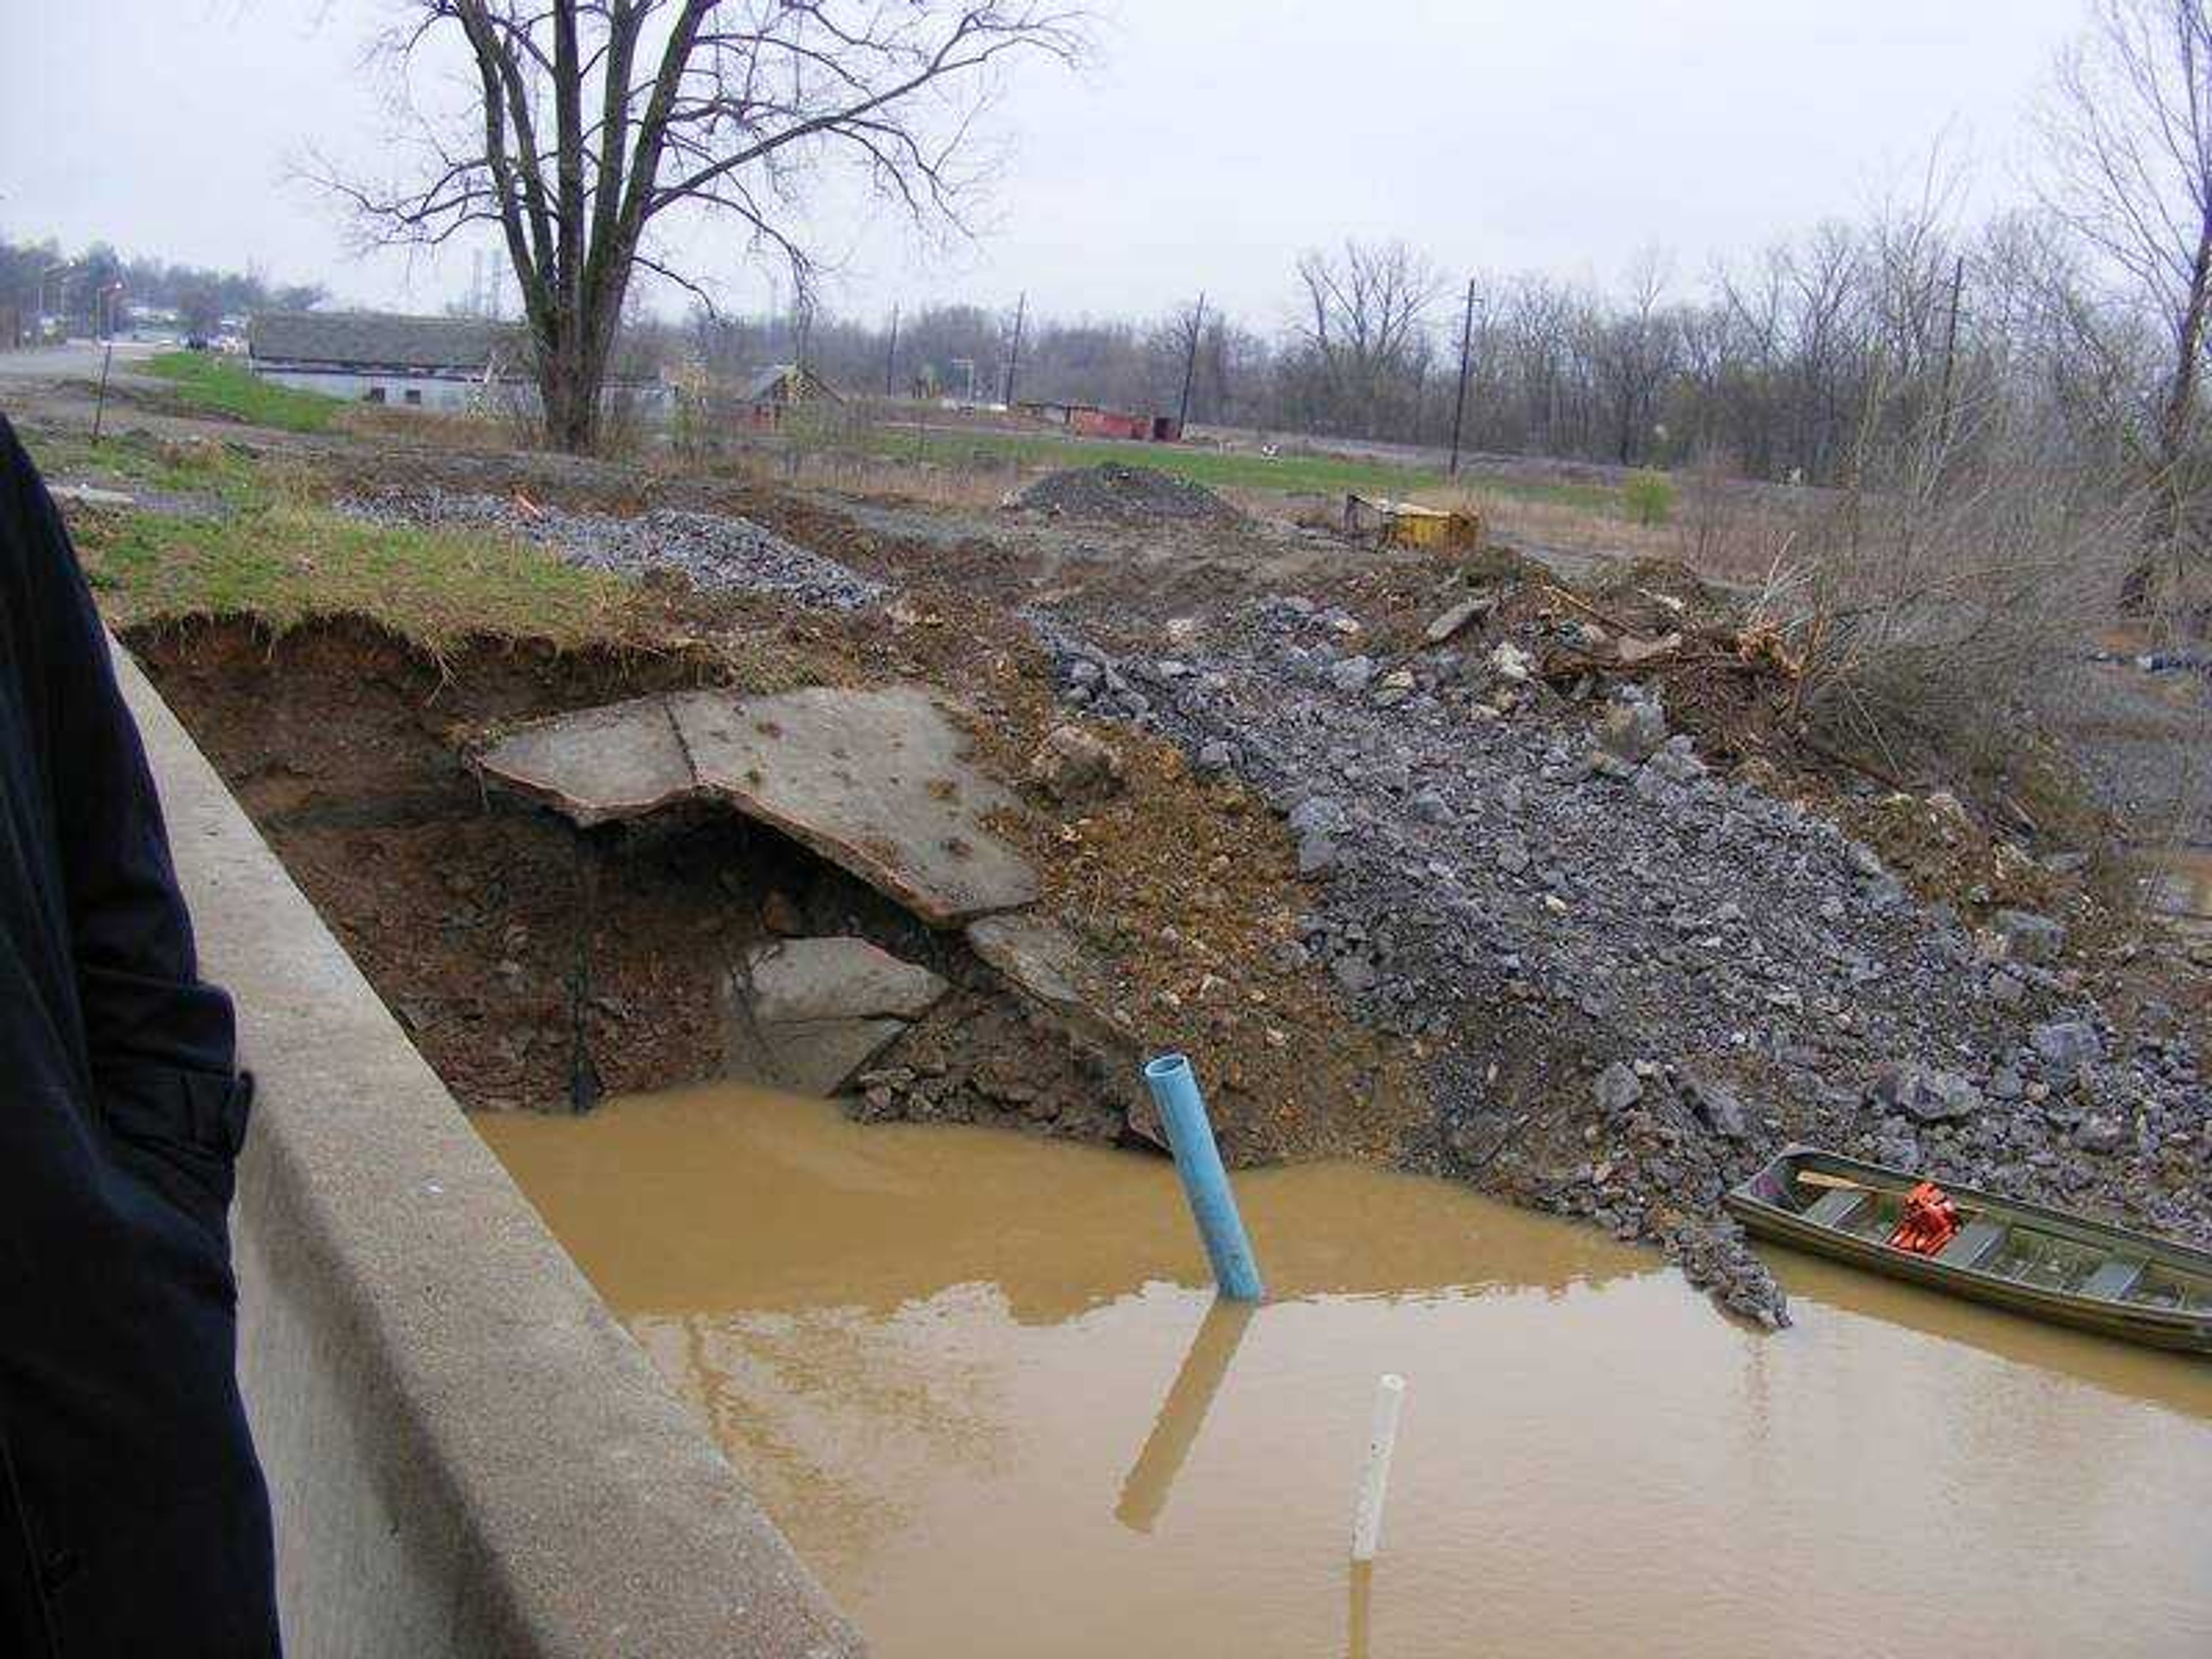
x: 1855, y: 352
x: 1772, y: 369
x: 94, y: 290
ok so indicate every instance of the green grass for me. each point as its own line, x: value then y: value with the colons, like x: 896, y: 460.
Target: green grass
x: 267, y: 549
x: 1294, y: 474
x: 289, y: 561
x: 196, y: 467
x: 218, y: 386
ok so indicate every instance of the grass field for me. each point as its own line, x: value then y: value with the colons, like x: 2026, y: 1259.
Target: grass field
x: 202, y: 382
x: 252, y: 539
x: 174, y: 469
x: 1291, y: 474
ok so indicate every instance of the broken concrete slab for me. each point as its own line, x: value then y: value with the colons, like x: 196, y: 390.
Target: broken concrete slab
x: 599, y: 765
x: 805, y: 1014
x: 875, y: 782
x: 1036, y: 957
x: 843, y: 978
x: 808, y: 1057
x: 1446, y: 623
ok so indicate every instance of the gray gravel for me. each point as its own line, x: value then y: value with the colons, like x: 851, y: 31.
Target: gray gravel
x: 715, y: 551
x: 1640, y: 980
x: 1489, y: 877
x: 1140, y: 495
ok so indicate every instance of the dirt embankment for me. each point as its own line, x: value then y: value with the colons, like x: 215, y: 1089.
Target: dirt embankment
x: 521, y: 954
x: 1427, y: 859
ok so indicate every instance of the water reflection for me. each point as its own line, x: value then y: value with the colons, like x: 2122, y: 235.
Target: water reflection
x: 1358, y: 1641
x: 823, y: 1212
x: 2175, y: 1382
x: 982, y: 1384
x: 1182, y: 1413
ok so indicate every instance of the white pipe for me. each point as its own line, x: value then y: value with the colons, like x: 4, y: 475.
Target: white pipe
x: 1375, y: 1483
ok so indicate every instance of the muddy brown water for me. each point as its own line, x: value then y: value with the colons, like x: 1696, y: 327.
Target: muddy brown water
x: 978, y: 1380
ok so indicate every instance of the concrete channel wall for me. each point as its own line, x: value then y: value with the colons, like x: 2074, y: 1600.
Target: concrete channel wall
x: 468, y: 1454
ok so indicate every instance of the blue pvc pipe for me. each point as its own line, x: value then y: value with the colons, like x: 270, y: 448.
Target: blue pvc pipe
x: 1205, y: 1183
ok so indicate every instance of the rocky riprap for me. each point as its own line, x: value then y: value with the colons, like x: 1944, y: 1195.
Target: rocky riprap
x: 1643, y: 978
x: 1125, y: 495
x: 715, y: 551
x: 1636, y: 979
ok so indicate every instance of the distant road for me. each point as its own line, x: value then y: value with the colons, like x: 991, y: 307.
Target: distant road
x: 72, y: 359
x: 53, y: 386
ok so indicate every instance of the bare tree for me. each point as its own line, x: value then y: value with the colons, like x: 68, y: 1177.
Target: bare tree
x: 1366, y: 327
x: 2130, y: 124
x: 585, y: 121
x: 1632, y: 352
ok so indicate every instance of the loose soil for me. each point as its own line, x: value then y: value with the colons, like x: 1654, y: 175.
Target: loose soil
x: 473, y: 916
x: 1408, y: 1003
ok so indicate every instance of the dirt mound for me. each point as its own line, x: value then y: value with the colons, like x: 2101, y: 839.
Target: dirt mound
x: 1127, y: 495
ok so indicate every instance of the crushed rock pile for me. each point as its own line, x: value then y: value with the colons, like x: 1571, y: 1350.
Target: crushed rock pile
x: 1127, y: 495
x: 715, y: 551
x: 1635, y: 980
x: 1642, y: 979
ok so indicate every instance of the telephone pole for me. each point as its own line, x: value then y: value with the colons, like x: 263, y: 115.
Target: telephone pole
x: 890, y: 356
x: 1459, y: 399
x: 1014, y: 357
x: 1950, y: 353
x: 1190, y: 365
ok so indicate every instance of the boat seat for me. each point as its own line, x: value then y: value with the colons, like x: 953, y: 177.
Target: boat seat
x: 1839, y: 1208
x: 1977, y: 1242
x: 2114, y: 1280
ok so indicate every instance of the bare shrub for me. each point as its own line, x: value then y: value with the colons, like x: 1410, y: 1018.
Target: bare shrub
x: 1731, y: 529
x: 1941, y: 616
x: 459, y: 431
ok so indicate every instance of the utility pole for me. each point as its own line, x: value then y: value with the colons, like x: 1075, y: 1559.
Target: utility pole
x: 100, y: 405
x: 1014, y: 357
x: 1190, y: 365
x: 1459, y: 399
x: 890, y: 356
x: 1951, y: 348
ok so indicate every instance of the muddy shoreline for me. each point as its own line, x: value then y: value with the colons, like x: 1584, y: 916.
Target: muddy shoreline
x: 1408, y: 891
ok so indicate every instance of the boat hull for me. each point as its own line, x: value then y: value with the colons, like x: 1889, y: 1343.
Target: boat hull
x: 1764, y: 1205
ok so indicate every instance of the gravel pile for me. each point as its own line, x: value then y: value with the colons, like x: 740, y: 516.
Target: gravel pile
x: 1644, y: 980
x: 713, y: 550
x: 1127, y: 495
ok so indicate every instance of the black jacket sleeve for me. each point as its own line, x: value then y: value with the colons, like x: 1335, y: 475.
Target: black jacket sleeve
x: 160, y: 1041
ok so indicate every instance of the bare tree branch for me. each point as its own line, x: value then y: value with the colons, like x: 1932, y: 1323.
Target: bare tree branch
x: 575, y: 154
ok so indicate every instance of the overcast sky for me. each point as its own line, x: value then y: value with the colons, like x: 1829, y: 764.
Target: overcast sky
x: 1211, y: 143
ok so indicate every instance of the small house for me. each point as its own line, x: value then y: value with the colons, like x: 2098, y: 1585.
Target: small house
x: 449, y: 364
x: 774, y: 391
